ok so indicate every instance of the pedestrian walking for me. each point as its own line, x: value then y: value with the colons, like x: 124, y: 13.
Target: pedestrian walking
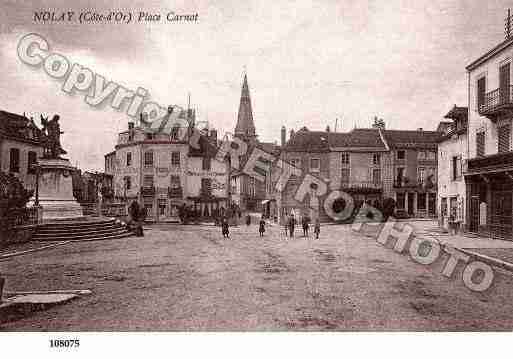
x: 225, y: 228
x: 248, y: 220
x: 306, y: 224
x: 317, y: 228
x: 292, y: 224
x: 261, y: 227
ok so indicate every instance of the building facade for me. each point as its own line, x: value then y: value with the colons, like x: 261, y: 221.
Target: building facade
x: 21, y: 145
x: 452, y: 154
x: 414, y: 167
x: 163, y: 171
x: 489, y: 176
x: 247, y: 193
x: 370, y: 165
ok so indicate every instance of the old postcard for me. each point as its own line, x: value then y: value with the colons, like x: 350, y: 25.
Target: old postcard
x: 295, y: 166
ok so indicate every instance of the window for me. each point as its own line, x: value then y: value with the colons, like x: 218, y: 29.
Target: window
x: 150, y: 136
x: 31, y: 162
x: 504, y: 133
x: 207, y: 163
x: 480, y: 144
x: 148, y: 206
x: 421, y: 201
x: 148, y: 181
x: 14, y: 160
x: 206, y: 186
x: 400, y: 198
x: 162, y: 207
x: 175, y: 181
x: 130, y: 136
x: 148, y: 158
x: 401, y: 155
x: 421, y: 175
x: 456, y: 167
x: 376, y: 176
x: 481, y: 91
x: 175, y: 159
x: 400, y: 176
x: 344, y: 175
x: 443, y: 207
x: 345, y: 159
x: 175, y: 133
x: 376, y: 159
x: 315, y: 165
x: 128, y: 159
x: 296, y: 162
x: 128, y: 183
x: 252, y: 186
x: 421, y: 155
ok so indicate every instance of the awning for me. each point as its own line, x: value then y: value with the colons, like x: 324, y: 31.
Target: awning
x: 265, y: 201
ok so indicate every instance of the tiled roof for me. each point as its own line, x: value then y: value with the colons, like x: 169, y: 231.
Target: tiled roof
x: 412, y: 138
x: 359, y: 137
x: 308, y: 141
x: 323, y: 141
x: 457, y: 112
x: 20, y: 128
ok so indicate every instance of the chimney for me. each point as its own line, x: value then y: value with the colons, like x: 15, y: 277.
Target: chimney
x: 283, y: 135
x: 328, y: 128
x: 420, y: 129
x: 130, y: 125
x: 291, y: 133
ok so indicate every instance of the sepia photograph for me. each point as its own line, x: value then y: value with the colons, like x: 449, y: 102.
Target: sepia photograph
x: 304, y: 168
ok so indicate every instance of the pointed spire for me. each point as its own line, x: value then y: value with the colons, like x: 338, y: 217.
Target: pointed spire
x: 245, y: 126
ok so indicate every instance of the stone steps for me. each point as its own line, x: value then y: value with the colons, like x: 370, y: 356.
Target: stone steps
x: 85, y: 229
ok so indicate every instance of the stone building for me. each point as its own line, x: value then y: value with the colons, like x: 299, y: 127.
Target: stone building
x: 21, y: 145
x: 489, y: 176
x: 369, y: 164
x: 414, y: 165
x: 160, y: 167
x: 452, y: 154
x: 248, y: 193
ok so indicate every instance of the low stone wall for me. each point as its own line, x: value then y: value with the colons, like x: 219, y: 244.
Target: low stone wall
x: 20, y: 234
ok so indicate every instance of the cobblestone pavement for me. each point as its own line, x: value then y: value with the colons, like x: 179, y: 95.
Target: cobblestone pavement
x: 190, y: 278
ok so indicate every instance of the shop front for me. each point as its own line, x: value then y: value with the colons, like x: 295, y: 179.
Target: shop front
x: 489, y: 183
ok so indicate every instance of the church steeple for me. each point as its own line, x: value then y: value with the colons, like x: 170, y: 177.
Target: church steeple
x: 245, y: 127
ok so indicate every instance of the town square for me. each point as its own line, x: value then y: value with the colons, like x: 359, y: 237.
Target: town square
x: 334, y: 167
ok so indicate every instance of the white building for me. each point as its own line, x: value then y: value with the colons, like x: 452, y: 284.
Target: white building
x: 162, y: 171
x: 452, y: 154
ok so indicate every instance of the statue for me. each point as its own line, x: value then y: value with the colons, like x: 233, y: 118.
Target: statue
x: 53, y: 133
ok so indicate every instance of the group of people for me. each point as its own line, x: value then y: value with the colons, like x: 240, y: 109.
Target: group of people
x: 290, y: 224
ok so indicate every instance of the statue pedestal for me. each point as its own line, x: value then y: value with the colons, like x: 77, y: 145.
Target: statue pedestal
x: 56, y: 190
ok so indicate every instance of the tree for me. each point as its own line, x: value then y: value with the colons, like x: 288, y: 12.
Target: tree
x: 378, y: 123
x: 13, y: 201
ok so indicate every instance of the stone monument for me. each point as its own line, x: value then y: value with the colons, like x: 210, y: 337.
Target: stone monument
x: 54, y: 193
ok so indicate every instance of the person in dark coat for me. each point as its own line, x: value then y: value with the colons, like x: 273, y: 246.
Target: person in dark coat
x: 225, y: 228
x: 317, y: 228
x: 261, y: 227
x: 292, y: 224
x: 306, y: 225
x: 248, y: 220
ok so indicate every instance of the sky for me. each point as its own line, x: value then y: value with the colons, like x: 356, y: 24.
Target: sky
x: 308, y: 63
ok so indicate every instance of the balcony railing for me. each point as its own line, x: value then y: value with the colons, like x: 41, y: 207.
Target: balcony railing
x: 147, y: 191
x: 490, y: 163
x: 361, y: 186
x: 497, y: 102
x: 415, y: 184
x: 175, y: 192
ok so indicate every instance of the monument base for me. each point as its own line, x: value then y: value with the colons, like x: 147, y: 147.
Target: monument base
x: 55, y: 188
